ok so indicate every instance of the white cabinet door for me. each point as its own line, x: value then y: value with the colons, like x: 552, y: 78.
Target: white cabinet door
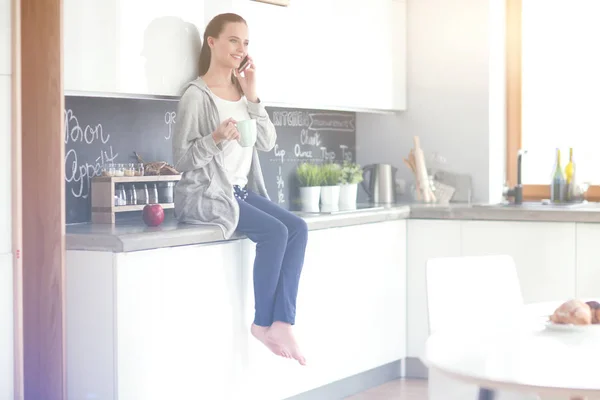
x: 357, y: 61
x: 588, y: 262
x: 179, y: 323
x: 425, y: 239
x: 273, y: 47
x: 544, y: 253
x: 330, y: 54
x: 131, y: 46
x: 399, y: 36
x: 351, y: 310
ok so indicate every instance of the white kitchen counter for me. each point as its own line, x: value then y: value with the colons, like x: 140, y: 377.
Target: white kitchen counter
x: 534, y: 211
x: 173, y: 322
x: 135, y: 236
x: 140, y: 299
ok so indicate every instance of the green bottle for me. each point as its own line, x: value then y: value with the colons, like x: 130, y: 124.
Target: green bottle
x: 557, y: 190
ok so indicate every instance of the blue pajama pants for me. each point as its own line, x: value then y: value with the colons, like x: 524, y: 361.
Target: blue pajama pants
x: 280, y: 238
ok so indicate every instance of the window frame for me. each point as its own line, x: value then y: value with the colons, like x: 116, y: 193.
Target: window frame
x: 514, y: 21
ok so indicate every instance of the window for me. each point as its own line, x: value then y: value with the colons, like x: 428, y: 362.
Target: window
x: 553, y: 90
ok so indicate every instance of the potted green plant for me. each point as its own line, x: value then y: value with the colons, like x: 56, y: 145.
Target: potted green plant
x: 309, y: 179
x: 330, y: 186
x: 352, y: 175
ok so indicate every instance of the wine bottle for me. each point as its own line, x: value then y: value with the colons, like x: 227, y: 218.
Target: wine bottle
x: 558, y: 182
x: 570, y: 177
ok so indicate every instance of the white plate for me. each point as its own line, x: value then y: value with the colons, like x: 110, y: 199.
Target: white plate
x: 572, y: 328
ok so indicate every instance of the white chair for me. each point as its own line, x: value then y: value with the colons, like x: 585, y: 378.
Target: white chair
x: 467, y: 291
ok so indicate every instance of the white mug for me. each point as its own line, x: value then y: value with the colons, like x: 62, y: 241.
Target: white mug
x: 247, y: 130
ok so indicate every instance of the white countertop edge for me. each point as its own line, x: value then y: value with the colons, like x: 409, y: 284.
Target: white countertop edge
x: 202, y: 234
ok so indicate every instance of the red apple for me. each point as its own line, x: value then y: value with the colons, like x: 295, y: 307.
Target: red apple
x: 153, y: 214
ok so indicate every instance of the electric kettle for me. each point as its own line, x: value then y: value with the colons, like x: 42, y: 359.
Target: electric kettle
x: 379, y: 181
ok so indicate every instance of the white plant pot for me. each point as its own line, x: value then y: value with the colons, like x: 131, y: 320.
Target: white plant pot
x: 309, y: 198
x: 348, y: 195
x: 330, y: 195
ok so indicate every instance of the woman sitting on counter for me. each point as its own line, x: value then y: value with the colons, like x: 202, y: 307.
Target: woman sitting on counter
x: 221, y: 125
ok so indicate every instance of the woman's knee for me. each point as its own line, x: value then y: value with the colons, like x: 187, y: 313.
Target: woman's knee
x: 299, y: 227
x: 277, y: 230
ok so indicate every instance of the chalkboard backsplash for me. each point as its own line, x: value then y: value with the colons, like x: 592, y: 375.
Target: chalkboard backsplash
x: 101, y: 130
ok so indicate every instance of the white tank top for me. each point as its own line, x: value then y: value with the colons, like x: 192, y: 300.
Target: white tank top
x: 237, y: 159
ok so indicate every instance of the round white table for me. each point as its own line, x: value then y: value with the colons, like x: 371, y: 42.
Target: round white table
x: 523, y: 355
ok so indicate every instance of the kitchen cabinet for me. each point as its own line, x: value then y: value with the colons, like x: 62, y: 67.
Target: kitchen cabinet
x: 368, y: 72
x: 150, y: 323
x: 275, y: 50
x: 131, y: 46
x: 351, y: 309
x: 314, y: 53
x: 399, y: 53
x: 588, y: 263
x: 6, y: 333
x: 426, y: 239
x: 544, y: 253
x: 325, y: 55
x: 178, y: 319
x: 147, y: 324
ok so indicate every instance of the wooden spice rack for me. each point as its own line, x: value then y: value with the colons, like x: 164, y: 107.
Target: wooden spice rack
x: 103, y: 195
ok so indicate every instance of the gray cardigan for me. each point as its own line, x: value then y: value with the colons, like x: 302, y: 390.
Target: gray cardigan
x: 204, y: 195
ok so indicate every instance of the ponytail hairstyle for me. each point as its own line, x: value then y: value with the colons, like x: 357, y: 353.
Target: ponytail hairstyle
x: 214, y: 29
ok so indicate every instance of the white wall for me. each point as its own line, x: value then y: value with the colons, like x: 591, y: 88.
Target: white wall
x: 6, y: 268
x: 452, y: 70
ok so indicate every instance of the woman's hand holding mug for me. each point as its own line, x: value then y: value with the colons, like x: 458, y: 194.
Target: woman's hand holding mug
x: 226, y: 131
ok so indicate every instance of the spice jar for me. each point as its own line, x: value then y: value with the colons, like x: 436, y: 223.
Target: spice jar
x: 130, y: 170
x: 119, y: 170
x: 142, y: 194
x: 131, y: 195
x: 152, y: 194
x: 108, y: 169
x: 120, y: 197
x: 165, y: 192
x: 139, y: 169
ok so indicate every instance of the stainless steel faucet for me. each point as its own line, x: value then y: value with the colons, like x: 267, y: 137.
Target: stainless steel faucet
x: 517, y: 191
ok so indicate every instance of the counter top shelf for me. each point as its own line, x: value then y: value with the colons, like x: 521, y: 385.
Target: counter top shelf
x: 134, y: 179
x: 103, y: 195
x: 137, y: 207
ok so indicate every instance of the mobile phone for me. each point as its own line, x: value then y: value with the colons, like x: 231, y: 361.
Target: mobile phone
x: 243, y: 64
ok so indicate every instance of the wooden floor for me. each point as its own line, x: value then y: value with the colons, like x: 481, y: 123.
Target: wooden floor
x: 401, y: 389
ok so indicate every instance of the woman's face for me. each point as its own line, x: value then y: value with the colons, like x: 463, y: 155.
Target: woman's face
x: 231, y: 46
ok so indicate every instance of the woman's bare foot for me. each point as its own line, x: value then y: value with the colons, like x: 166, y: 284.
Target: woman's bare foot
x: 260, y: 333
x: 281, y: 334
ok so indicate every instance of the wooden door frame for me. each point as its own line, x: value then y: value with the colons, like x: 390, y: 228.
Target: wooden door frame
x: 16, y: 199
x: 39, y: 195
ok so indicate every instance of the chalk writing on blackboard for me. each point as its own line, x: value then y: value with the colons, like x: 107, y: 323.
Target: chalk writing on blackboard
x: 102, y: 130
x: 331, y: 122
x: 305, y: 136
x: 309, y: 145
x: 80, y: 174
x: 170, y: 121
x: 280, y: 154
